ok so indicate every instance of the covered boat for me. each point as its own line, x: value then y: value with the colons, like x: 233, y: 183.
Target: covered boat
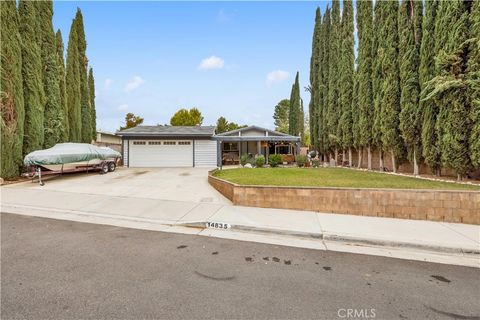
x: 71, y: 156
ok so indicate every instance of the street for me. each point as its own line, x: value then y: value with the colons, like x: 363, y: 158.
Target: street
x: 61, y: 269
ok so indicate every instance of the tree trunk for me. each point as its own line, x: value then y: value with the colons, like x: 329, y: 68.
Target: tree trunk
x: 415, y: 164
x: 343, y: 157
x: 360, y: 155
x: 336, y: 156
x: 369, y: 157
x: 459, y: 177
x: 350, y: 157
x: 394, y: 164
x: 382, y: 168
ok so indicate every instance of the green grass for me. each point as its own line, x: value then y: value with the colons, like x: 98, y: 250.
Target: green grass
x: 332, y: 177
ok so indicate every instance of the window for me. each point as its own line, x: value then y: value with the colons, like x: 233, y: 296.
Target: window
x: 184, y: 143
x: 230, y: 146
x: 169, y: 143
x: 155, y: 142
x: 139, y: 142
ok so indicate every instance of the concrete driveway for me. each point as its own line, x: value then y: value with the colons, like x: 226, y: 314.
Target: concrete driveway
x: 176, y: 184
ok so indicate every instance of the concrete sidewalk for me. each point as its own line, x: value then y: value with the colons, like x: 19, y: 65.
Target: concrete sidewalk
x: 408, y: 239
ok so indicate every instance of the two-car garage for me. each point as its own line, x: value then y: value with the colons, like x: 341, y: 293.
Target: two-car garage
x: 168, y: 146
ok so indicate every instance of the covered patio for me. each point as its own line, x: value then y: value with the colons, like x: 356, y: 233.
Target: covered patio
x: 253, y: 141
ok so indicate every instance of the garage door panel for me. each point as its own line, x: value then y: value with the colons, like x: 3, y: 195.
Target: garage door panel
x: 205, y: 153
x: 161, y: 155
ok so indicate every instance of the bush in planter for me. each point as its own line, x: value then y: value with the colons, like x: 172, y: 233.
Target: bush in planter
x: 259, y: 161
x: 274, y: 160
x: 301, y: 160
x: 244, y: 159
x: 315, y: 163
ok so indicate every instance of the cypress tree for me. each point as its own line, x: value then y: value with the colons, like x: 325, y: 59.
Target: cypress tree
x: 72, y: 84
x: 346, y: 70
x: 11, y: 84
x: 314, y: 108
x: 356, y: 131
x: 450, y: 88
x: 86, y: 110
x: 390, y: 86
x: 324, y: 80
x: 295, y: 109
x: 91, y: 90
x: 62, y: 86
x: 474, y: 87
x: 333, y: 92
x: 365, y: 61
x: 53, y: 114
x: 32, y: 78
x: 377, y: 78
x: 430, y: 143
x: 409, y: 29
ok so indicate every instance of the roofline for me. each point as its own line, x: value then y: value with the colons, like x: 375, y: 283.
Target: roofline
x: 252, y: 127
x: 257, y: 138
x: 125, y: 132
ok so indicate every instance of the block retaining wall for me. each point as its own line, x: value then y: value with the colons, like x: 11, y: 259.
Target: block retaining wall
x: 434, y: 205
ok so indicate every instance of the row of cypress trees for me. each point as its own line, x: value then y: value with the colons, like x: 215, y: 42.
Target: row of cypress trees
x: 412, y: 93
x: 43, y: 101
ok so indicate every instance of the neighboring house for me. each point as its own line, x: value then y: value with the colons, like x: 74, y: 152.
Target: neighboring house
x: 107, y: 139
x: 198, y: 146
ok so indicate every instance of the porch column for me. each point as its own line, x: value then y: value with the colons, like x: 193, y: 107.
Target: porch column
x: 239, y: 150
x: 267, y: 152
x: 259, y: 147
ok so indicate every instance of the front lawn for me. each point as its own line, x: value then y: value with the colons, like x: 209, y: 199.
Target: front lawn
x: 332, y: 177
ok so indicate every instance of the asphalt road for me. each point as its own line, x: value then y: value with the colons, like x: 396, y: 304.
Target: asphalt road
x: 60, y: 269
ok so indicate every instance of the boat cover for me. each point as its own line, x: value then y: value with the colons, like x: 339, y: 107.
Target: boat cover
x: 62, y: 153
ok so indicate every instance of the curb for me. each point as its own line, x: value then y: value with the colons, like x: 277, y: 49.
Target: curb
x: 343, y: 239
x: 324, y: 237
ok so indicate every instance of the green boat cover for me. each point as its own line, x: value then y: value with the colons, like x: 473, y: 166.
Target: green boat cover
x: 62, y: 153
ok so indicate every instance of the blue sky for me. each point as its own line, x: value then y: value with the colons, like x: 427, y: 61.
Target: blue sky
x: 232, y: 59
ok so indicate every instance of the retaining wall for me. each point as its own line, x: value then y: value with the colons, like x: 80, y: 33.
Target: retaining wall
x: 435, y: 205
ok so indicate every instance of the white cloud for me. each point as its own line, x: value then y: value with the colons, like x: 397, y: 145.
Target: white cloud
x: 136, y: 82
x: 277, y: 77
x: 211, y: 63
x: 108, y: 83
x: 122, y: 107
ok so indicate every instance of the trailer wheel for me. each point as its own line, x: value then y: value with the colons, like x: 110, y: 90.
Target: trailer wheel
x: 104, y: 168
x: 111, y: 166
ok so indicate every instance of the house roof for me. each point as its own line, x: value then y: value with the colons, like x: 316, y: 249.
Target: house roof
x: 166, y: 131
x: 249, y: 128
x: 268, y: 135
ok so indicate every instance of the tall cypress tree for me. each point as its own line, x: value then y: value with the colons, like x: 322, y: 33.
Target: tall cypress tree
x: 365, y: 60
x: 313, y: 107
x: 53, y: 114
x: 409, y: 29
x: 450, y: 88
x: 11, y: 84
x: 346, y: 70
x: 294, y: 116
x: 86, y: 110
x: 72, y: 83
x: 356, y: 118
x: 91, y: 90
x: 62, y: 86
x: 430, y: 143
x: 32, y: 78
x: 474, y: 80
x: 324, y: 81
x: 390, y: 86
x: 377, y: 78
x: 333, y: 91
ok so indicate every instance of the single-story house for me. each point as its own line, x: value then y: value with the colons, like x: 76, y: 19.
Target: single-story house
x: 199, y: 146
x: 107, y: 139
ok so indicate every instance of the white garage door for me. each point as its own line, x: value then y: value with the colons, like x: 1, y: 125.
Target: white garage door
x: 161, y: 153
x: 205, y: 153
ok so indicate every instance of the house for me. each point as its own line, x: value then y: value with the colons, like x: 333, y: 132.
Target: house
x: 199, y: 146
x: 107, y: 139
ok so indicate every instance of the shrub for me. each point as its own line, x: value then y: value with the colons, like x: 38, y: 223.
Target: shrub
x: 274, y: 160
x: 244, y: 159
x: 315, y: 163
x: 301, y: 160
x: 259, y: 161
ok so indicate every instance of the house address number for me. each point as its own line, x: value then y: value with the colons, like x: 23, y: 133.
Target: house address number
x: 218, y: 225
